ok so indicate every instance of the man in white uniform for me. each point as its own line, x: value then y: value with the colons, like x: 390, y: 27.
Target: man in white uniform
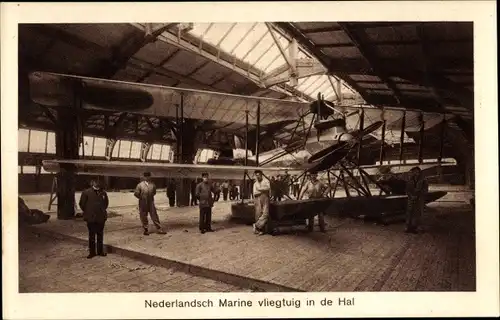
x: 261, y: 191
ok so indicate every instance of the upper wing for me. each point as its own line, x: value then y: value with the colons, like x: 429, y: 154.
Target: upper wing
x: 59, y: 90
x: 172, y: 170
x: 164, y: 170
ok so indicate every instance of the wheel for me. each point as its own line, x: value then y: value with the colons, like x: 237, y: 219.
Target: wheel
x: 321, y: 219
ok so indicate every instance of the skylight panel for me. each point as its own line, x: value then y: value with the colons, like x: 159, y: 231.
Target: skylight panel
x: 243, y: 38
x: 249, y: 43
x: 262, y: 47
x: 315, y: 88
x: 199, y: 29
x: 307, y: 83
x: 264, y: 58
x: 234, y: 36
x: 321, y: 88
x: 215, y: 34
x: 329, y: 93
x: 301, y: 55
x: 254, y: 44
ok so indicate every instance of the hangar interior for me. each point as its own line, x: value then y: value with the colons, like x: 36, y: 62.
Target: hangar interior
x: 411, y: 68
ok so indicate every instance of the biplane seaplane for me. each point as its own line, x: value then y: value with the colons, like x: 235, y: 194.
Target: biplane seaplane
x: 336, y: 144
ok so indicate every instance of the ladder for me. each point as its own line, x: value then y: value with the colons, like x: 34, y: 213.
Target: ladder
x: 53, y: 194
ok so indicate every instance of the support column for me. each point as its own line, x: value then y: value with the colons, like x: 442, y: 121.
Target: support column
x: 189, y: 147
x: 361, y: 128
x: 112, y: 132
x: 441, y: 148
x: 441, y: 139
x: 421, y: 139
x: 67, y: 144
x: 257, y: 139
x: 382, y: 145
x: 186, y: 147
x: 245, y: 192
x: 402, y: 137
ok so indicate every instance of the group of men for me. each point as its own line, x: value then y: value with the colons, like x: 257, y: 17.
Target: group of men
x: 229, y: 191
x: 263, y: 188
x: 283, y: 186
x: 94, y: 203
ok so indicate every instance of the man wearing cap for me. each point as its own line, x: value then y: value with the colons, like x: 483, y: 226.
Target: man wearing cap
x: 416, y: 189
x: 145, y: 192
x: 261, y: 190
x: 204, y: 193
x: 94, y: 202
x: 315, y: 189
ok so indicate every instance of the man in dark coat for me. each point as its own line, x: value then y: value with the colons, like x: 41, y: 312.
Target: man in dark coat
x: 171, y: 192
x: 416, y: 189
x: 204, y: 192
x: 94, y: 202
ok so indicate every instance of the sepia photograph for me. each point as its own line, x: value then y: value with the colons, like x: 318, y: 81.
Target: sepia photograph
x: 279, y: 156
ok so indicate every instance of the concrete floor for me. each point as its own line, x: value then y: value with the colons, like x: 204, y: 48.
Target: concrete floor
x: 350, y: 256
x: 41, y: 256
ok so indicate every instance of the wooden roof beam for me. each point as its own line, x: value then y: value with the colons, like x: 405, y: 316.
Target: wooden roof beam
x: 130, y: 46
x: 310, y: 46
x: 359, y: 39
x: 436, y: 81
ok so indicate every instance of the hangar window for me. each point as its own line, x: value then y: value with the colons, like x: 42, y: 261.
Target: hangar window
x: 51, y: 142
x: 154, y: 152
x: 37, y: 141
x: 87, y: 147
x: 116, y: 149
x: 29, y: 169
x: 205, y: 154
x: 19, y: 169
x: 23, y: 140
x: 136, y: 150
x: 166, y: 152
x: 125, y: 148
x: 99, y: 147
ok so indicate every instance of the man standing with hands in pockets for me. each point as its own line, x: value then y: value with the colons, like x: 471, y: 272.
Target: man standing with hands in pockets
x: 204, y: 193
x: 145, y: 192
x: 261, y: 191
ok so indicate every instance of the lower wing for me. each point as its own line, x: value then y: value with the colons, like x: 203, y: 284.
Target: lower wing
x: 163, y: 170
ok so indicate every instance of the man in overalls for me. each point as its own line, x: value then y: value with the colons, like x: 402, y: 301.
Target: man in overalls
x: 416, y: 189
x: 315, y: 189
x: 261, y: 194
x: 145, y: 192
